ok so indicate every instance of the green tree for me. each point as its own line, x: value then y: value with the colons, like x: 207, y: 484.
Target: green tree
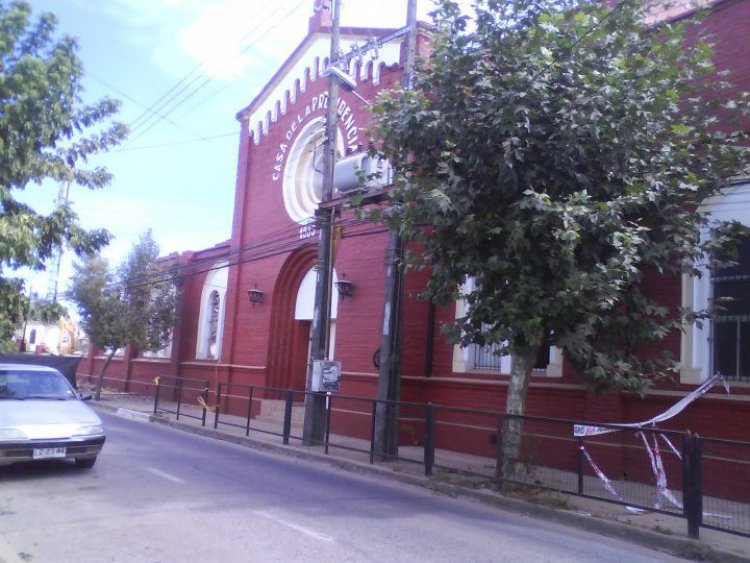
x: 557, y: 151
x: 135, y: 305
x: 47, y: 312
x: 46, y: 134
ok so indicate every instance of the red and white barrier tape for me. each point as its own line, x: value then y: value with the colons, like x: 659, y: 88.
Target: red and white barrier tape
x: 674, y: 410
x: 606, y: 482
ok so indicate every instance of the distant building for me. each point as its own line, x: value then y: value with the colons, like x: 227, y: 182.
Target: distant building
x: 60, y: 338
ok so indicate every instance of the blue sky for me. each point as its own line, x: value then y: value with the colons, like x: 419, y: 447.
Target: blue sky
x: 176, y: 176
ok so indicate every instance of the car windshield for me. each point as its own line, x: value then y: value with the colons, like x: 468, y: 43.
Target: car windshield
x: 29, y: 384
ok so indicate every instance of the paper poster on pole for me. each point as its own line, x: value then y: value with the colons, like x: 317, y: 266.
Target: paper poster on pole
x: 326, y: 375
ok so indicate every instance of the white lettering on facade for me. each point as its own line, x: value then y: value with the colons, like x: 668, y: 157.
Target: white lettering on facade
x: 320, y: 102
x: 278, y: 161
x: 307, y: 231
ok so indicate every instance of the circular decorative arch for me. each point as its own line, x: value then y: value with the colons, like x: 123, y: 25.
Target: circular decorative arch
x: 303, y: 173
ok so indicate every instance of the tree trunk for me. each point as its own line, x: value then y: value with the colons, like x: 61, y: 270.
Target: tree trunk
x: 100, y: 380
x: 509, y: 466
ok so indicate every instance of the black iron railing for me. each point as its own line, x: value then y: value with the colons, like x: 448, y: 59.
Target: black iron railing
x: 701, y: 479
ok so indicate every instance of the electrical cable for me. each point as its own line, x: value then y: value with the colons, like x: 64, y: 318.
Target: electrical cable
x: 124, y: 95
x: 176, y: 143
x: 162, y: 100
x: 178, y: 98
x: 265, y: 248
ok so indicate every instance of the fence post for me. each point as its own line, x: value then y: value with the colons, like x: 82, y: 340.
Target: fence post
x: 156, y: 393
x: 205, y: 402
x: 179, y: 398
x: 329, y: 407
x: 692, y: 491
x: 429, y: 439
x: 372, y: 431
x: 287, y: 416
x: 249, y: 410
x: 580, y: 465
x: 218, y: 402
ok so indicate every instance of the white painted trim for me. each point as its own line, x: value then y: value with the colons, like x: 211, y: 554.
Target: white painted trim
x: 463, y: 357
x: 216, y: 280
x: 310, y: 62
x: 695, y: 347
x: 305, y: 302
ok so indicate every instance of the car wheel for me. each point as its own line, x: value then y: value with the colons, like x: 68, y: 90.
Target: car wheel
x: 85, y: 462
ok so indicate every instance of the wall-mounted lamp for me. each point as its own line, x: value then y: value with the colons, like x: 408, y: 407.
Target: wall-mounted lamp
x: 345, y: 288
x: 255, y: 295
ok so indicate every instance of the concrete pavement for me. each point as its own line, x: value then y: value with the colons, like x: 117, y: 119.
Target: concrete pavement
x: 656, y: 530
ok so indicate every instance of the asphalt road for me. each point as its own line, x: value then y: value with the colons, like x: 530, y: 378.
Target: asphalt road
x: 160, y: 495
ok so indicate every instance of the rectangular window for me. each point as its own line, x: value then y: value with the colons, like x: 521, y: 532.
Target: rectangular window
x: 731, y: 327
x: 165, y: 352
x: 485, y: 357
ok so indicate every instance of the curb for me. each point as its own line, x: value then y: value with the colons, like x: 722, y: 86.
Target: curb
x: 135, y: 415
x: 679, y: 546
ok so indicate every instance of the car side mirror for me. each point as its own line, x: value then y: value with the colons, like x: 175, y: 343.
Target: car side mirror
x: 85, y: 396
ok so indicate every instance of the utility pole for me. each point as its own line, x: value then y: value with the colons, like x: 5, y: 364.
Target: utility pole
x: 389, y: 375
x: 314, y: 423
x: 63, y: 194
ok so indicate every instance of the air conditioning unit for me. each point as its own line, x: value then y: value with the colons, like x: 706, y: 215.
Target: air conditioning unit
x: 362, y: 173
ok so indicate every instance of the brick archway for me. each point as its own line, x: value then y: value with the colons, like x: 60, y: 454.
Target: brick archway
x: 288, y: 342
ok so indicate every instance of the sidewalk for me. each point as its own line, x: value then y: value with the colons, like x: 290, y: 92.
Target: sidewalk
x: 658, y: 531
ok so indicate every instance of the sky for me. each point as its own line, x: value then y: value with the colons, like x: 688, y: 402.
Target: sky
x: 197, y: 63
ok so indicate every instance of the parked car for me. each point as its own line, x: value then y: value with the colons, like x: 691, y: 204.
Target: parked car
x: 43, y: 417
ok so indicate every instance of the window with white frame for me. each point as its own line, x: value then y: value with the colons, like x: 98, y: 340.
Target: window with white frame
x: 211, y: 322
x: 723, y: 344
x: 163, y: 353
x: 478, y: 357
x: 730, y: 338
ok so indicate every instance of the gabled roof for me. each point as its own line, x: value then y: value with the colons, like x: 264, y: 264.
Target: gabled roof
x: 305, y: 66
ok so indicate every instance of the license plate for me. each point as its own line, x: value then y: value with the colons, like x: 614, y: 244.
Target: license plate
x: 48, y: 453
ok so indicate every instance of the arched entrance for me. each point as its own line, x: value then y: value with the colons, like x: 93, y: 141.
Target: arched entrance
x: 291, y: 321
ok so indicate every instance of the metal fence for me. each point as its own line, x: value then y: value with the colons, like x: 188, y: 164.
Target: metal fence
x: 701, y: 479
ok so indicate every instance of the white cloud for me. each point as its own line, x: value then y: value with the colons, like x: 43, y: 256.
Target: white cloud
x: 230, y: 38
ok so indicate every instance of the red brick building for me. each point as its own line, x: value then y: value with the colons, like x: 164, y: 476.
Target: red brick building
x: 225, y: 337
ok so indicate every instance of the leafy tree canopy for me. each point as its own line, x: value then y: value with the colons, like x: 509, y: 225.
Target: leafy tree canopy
x: 47, y: 312
x: 134, y: 305
x: 557, y: 152
x: 47, y: 133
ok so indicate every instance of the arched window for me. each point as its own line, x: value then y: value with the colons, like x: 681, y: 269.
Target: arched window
x: 214, y: 302
x: 211, y: 322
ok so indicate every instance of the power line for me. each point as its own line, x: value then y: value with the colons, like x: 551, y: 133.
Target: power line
x: 186, y: 89
x: 276, y: 243
x: 193, y: 75
x: 183, y: 142
x: 139, y: 104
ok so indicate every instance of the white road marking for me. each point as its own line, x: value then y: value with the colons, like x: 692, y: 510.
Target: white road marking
x: 295, y: 527
x: 166, y: 476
